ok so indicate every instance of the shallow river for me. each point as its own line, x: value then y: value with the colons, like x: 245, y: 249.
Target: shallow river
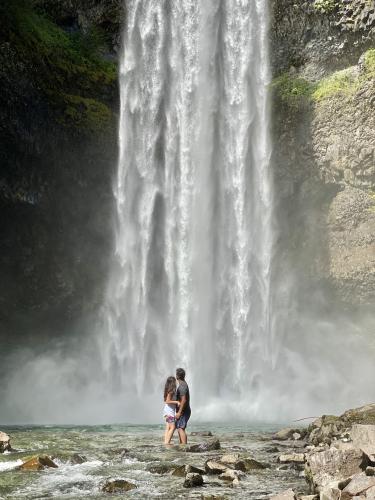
x: 129, y: 452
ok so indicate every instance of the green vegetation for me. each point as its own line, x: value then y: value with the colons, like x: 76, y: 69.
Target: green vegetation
x: 344, y: 83
x: 62, y: 64
x: 294, y: 90
x: 325, y: 6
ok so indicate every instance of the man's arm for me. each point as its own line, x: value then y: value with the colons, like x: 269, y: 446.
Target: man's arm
x: 182, y: 406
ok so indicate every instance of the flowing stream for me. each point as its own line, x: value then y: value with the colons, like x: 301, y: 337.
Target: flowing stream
x: 194, y: 197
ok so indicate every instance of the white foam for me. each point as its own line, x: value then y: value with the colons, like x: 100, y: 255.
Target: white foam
x: 4, y: 466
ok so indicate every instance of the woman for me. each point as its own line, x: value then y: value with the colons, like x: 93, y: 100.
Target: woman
x: 169, y: 412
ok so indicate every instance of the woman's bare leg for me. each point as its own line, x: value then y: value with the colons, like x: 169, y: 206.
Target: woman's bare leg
x: 170, y: 433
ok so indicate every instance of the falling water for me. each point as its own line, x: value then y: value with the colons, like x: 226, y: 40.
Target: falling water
x: 191, y: 282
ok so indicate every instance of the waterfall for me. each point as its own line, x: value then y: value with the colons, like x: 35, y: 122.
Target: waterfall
x: 191, y: 282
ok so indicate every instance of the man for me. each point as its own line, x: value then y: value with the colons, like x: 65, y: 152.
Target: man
x: 184, y: 411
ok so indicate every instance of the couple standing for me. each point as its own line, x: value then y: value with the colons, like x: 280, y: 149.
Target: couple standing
x: 177, y: 406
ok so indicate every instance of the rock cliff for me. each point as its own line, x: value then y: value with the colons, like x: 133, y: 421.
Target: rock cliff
x: 324, y: 96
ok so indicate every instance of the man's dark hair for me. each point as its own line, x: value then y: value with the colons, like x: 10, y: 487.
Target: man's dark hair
x: 180, y: 374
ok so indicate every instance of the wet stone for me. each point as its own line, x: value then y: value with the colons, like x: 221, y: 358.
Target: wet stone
x: 38, y: 463
x: 77, y: 459
x: 118, y: 486
x: 214, y: 467
x: 212, y: 444
x: 4, y: 442
x: 193, y: 480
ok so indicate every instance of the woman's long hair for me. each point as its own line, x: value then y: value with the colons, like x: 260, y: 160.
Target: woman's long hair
x: 170, y: 387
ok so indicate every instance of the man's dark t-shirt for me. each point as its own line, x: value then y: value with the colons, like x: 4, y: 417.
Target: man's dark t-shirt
x: 183, y: 390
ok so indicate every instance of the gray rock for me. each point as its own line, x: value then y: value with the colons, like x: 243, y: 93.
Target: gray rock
x: 117, y: 486
x: 77, y: 459
x: 370, y: 493
x: 252, y: 464
x: 298, y: 458
x: 193, y: 480
x: 358, y: 484
x: 187, y: 469
x: 363, y: 437
x: 231, y: 475
x: 234, y: 460
x: 212, y: 444
x: 4, y: 442
x: 214, y: 467
x: 332, y: 465
x: 284, y: 434
x: 284, y: 495
x: 328, y: 493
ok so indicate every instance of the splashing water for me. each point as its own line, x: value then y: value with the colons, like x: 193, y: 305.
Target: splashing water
x: 191, y: 285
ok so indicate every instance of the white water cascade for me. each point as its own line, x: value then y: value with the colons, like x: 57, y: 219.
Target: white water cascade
x: 194, y: 197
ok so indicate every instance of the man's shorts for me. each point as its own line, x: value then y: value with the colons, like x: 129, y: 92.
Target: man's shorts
x: 181, y: 423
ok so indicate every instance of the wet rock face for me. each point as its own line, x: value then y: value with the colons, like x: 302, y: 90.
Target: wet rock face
x: 324, y: 146
x: 58, y: 136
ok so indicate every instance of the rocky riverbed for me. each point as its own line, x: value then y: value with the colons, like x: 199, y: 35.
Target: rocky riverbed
x: 331, y: 459
x: 130, y: 461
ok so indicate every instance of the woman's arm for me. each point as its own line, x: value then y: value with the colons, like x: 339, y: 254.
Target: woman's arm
x: 170, y: 401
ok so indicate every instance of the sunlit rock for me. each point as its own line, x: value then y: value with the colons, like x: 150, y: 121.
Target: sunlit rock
x: 4, y: 442
x: 38, y: 463
x: 285, y: 495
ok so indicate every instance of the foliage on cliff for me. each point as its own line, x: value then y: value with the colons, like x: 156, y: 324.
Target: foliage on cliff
x: 66, y: 67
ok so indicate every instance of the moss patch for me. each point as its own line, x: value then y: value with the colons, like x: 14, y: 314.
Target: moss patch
x: 325, y: 6
x: 293, y: 90
x: 343, y: 82
x: 62, y: 64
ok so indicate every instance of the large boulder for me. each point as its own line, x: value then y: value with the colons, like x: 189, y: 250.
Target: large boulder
x: 182, y: 470
x: 4, y: 442
x: 324, y: 467
x: 252, y: 464
x: 234, y: 460
x: 357, y: 486
x: 363, y: 437
x: 38, y: 463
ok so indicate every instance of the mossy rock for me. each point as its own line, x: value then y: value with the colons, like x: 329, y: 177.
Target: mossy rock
x: 118, y: 486
x: 364, y: 415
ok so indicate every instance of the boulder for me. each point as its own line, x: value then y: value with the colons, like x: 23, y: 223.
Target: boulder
x: 296, y: 436
x: 292, y: 458
x: 285, y: 495
x: 284, y: 434
x: 212, y: 444
x: 214, y: 467
x: 4, y: 442
x: 332, y: 465
x: 192, y: 480
x: 117, y: 486
x: 231, y: 475
x: 359, y: 484
x: 234, y: 460
x: 363, y: 437
x: 370, y: 471
x: 251, y: 464
x: 370, y: 493
x: 308, y: 497
x: 328, y: 493
x: 38, y: 463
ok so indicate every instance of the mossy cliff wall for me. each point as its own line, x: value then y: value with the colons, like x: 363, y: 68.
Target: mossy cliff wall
x: 324, y: 98
x: 58, y: 127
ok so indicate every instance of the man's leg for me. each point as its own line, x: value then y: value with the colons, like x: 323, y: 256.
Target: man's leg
x: 182, y: 436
